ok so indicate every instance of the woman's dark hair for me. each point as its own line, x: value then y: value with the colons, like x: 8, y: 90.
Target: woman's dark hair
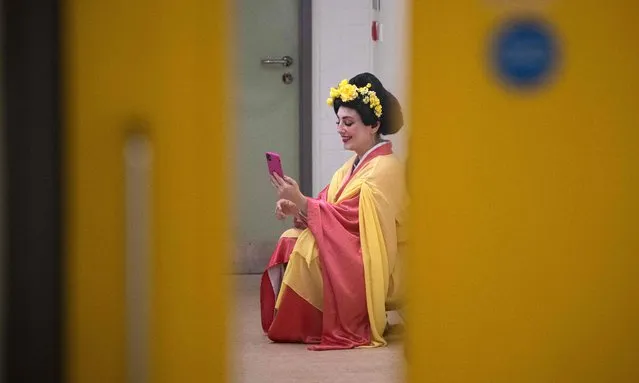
x: 392, y: 118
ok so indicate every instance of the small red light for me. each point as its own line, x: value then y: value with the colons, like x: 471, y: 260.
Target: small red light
x: 374, y: 31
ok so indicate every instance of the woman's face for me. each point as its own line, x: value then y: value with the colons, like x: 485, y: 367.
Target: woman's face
x: 355, y: 135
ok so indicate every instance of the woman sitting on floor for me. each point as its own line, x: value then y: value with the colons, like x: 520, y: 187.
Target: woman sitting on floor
x: 331, y: 278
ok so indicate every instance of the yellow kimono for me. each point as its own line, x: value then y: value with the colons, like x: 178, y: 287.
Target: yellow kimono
x: 329, y: 281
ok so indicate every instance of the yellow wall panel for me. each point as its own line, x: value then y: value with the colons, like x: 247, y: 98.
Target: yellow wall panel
x: 524, y: 201
x: 158, y: 61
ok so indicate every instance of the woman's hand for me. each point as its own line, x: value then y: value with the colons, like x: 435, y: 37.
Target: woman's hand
x: 288, y: 189
x: 284, y: 208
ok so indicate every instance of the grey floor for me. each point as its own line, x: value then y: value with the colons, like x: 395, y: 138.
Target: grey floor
x: 258, y: 360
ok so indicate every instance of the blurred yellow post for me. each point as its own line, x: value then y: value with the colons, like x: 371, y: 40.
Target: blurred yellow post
x: 525, y: 253
x: 155, y: 68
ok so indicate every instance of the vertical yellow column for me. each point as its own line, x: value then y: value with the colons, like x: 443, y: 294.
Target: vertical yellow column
x: 98, y: 87
x: 163, y: 62
x: 525, y: 253
x: 190, y: 292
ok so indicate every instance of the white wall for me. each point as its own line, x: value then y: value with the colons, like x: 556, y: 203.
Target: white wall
x: 342, y: 48
x: 390, y: 59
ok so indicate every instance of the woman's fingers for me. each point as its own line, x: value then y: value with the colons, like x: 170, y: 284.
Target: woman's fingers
x: 284, y: 208
x: 277, y: 183
x: 279, y: 213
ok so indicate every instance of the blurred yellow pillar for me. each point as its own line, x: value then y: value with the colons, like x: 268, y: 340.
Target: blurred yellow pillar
x: 154, y: 68
x: 525, y: 257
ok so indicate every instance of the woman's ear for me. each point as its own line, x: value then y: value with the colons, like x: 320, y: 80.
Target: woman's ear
x: 375, y: 127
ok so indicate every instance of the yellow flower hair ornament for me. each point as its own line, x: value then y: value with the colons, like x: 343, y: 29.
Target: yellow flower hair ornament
x: 349, y: 92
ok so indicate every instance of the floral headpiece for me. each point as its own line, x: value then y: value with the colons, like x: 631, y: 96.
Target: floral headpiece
x: 349, y: 92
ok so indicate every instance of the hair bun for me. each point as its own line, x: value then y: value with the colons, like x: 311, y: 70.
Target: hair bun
x: 392, y: 118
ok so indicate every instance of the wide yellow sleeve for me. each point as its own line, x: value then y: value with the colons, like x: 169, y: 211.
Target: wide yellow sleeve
x: 375, y: 259
x: 381, y: 202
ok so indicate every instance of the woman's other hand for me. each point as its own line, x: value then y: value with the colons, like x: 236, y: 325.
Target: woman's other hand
x: 284, y: 208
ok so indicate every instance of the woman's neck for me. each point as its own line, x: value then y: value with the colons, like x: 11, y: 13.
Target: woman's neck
x: 377, y: 141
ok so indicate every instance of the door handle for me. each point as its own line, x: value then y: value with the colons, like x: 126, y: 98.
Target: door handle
x: 284, y: 61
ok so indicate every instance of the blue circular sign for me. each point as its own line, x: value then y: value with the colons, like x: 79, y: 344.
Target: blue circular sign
x: 524, y: 52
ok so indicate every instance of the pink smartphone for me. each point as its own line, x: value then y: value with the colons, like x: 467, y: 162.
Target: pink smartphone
x: 274, y: 163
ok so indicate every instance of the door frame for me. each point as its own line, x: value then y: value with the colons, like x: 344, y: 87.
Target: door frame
x: 306, y: 96
x: 33, y: 270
